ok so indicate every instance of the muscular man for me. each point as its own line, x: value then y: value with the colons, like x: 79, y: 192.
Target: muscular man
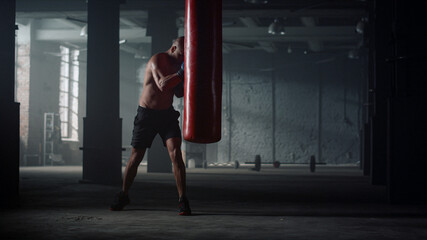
x: 155, y: 115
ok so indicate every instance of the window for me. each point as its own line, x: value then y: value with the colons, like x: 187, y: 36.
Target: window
x: 69, y: 94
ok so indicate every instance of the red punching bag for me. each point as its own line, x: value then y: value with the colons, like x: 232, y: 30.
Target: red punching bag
x: 203, y: 71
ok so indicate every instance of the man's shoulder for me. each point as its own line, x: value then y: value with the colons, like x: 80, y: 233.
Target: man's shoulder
x: 159, y: 56
x: 159, y: 59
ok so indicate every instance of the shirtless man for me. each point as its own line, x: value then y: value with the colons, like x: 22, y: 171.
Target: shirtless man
x: 163, y: 78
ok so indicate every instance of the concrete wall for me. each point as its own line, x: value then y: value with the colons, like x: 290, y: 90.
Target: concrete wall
x: 44, y: 91
x: 44, y: 97
x: 297, y: 81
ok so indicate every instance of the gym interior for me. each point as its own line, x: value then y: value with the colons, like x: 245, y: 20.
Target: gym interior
x: 322, y: 131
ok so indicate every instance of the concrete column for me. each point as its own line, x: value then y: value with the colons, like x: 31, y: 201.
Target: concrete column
x: 9, y: 116
x: 382, y: 79
x: 162, y: 29
x: 407, y: 149
x: 102, y: 126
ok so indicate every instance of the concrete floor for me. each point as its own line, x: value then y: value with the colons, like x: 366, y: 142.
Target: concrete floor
x: 285, y: 203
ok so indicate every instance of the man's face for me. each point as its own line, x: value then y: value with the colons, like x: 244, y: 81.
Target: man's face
x: 180, y: 50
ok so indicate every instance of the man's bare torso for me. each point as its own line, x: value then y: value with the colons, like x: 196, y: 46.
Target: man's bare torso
x: 152, y: 97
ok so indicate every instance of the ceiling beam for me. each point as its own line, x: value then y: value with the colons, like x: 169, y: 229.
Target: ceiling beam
x: 137, y: 52
x: 236, y: 34
x: 318, y: 31
x: 252, y: 22
x: 77, y: 14
x: 129, y: 23
x: 268, y: 46
x: 68, y: 23
x: 249, y: 21
x: 248, y: 39
x: 225, y: 48
x: 131, y: 35
x: 280, y: 12
x: 298, y: 34
x: 273, y: 13
x: 314, y: 45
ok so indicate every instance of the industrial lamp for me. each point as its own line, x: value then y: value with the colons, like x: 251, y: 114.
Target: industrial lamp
x: 276, y: 27
x: 360, y: 26
x: 83, y: 32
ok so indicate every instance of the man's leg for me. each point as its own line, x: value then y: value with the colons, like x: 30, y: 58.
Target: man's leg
x: 132, y: 168
x: 174, y: 149
x: 122, y: 198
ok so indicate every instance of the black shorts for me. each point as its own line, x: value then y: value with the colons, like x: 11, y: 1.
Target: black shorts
x: 149, y: 122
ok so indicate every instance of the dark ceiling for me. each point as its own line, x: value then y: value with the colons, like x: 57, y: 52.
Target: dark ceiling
x: 316, y: 26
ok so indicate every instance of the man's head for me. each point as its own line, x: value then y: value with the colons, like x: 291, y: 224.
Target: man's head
x: 177, y: 48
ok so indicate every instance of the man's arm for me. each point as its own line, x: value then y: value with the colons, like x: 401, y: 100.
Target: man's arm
x: 163, y: 81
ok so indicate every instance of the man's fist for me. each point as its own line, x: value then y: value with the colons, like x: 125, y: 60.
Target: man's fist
x: 181, y: 71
